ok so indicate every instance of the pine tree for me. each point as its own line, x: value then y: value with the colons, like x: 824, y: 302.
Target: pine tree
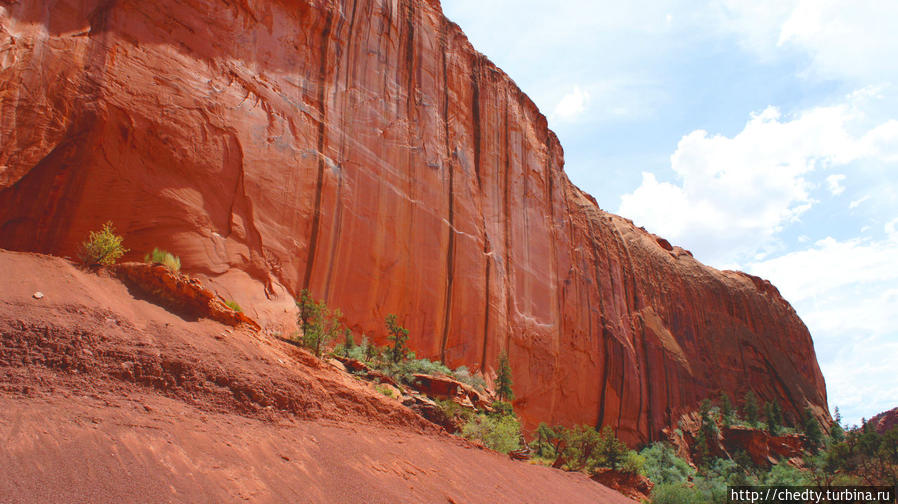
x: 544, y: 437
x: 726, y: 409
x: 750, y: 408
x: 772, y: 421
x: 778, y: 413
x: 812, y: 430
x: 308, y: 310
x: 398, y: 335
x: 611, y: 449
x: 837, y: 432
x: 504, y: 380
x: 348, y: 341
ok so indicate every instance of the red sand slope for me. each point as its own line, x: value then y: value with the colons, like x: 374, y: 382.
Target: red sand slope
x: 105, y: 397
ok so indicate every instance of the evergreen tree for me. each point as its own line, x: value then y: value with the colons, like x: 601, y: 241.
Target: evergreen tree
x: 707, y: 431
x: 778, y: 413
x: 398, y: 335
x: 750, y: 408
x: 611, y: 449
x: 812, y: 430
x: 544, y: 437
x: 348, y: 341
x: 837, y: 432
x: 726, y: 409
x: 702, y: 451
x: 503, y: 379
x: 308, y: 310
x: 772, y: 421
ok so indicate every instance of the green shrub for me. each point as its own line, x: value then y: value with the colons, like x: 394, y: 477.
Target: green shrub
x: 750, y: 408
x: 663, y: 466
x: 812, y: 432
x: 234, y: 306
x: 159, y: 256
x: 102, y: 247
x: 674, y: 493
x: 463, y: 375
x: 500, y: 433
x: 319, y: 323
x: 726, y: 409
x: 405, y: 370
x: 502, y: 408
x: 633, y: 463
x: 398, y: 335
x: 503, y: 379
x: 454, y: 410
x: 586, y: 449
x: 544, y: 442
x: 360, y: 351
x: 783, y: 474
x: 385, y: 390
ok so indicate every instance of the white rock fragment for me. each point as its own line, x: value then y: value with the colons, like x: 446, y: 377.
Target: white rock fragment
x: 38, y: 295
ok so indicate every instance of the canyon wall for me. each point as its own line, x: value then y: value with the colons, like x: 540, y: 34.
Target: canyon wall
x: 364, y: 150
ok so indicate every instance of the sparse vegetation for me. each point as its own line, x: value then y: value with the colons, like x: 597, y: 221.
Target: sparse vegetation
x: 750, y: 408
x: 102, y: 247
x: 858, y: 456
x: 774, y: 417
x: 398, y: 335
x: 159, y: 256
x: 464, y: 375
x: 812, y: 431
x: 319, y: 323
x: 503, y: 379
x: 234, y: 306
x: 726, y: 409
x: 500, y: 432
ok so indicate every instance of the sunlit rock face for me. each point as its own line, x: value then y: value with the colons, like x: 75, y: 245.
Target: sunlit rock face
x: 364, y: 150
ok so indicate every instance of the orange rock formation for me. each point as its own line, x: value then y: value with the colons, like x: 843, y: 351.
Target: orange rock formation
x: 364, y: 149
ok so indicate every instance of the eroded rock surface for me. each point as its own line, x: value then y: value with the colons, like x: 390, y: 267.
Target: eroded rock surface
x: 365, y: 150
x: 885, y: 421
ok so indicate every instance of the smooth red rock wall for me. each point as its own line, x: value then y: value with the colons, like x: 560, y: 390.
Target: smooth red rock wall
x: 363, y: 149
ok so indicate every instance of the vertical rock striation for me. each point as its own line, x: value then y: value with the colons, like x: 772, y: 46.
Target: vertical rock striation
x: 364, y: 150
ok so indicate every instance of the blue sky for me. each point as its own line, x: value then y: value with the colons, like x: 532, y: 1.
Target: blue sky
x: 762, y: 136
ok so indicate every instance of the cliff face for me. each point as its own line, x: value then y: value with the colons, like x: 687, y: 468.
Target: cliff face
x: 885, y: 421
x: 365, y: 150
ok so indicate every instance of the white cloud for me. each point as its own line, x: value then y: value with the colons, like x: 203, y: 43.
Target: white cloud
x: 757, y: 24
x: 845, y: 293
x: 571, y: 106
x: 856, y: 203
x: 733, y: 195
x: 834, y: 183
x: 891, y: 229
x: 852, y: 41
x: 845, y: 40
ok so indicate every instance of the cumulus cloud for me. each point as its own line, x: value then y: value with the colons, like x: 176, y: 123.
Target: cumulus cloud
x: 834, y: 183
x: 732, y: 196
x: 571, y: 106
x: 845, y: 292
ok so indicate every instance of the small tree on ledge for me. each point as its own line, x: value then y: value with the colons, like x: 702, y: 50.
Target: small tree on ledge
x: 398, y: 335
x: 103, y: 247
x: 503, y: 379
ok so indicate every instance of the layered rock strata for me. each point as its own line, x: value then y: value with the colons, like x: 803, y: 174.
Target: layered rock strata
x: 364, y: 150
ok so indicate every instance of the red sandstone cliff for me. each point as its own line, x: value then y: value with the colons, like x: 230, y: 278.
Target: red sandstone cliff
x: 885, y: 421
x: 364, y: 149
